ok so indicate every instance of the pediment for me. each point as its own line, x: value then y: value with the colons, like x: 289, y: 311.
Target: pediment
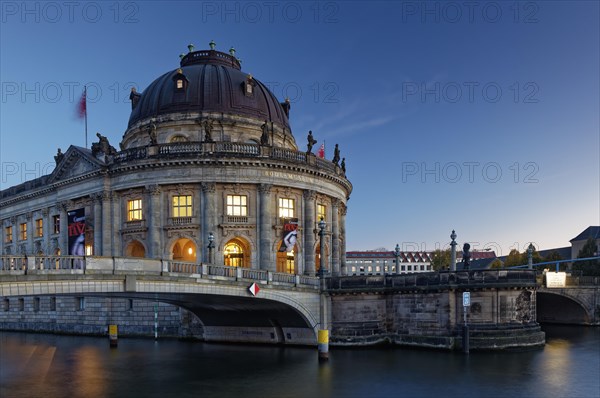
x: 75, y: 162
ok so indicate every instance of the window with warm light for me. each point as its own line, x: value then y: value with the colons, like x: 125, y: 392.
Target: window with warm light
x: 237, y: 205
x: 23, y: 231
x: 286, y: 208
x: 8, y: 235
x: 56, y: 224
x: 321, y: 211
x: 179, y: 84
x: 134, y: 210
x: 234, y: 255
x: 39, y: 227
x: 182, y: 206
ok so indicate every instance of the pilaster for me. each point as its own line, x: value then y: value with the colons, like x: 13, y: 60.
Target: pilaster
x: 309, y: 235
x: 265, y: 228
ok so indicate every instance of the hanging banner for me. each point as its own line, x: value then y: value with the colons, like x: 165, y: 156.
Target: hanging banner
x: 290, y: 235
x: 76, y: 228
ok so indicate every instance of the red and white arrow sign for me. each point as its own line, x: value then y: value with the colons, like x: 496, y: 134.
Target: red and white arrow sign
x: 254, y: 289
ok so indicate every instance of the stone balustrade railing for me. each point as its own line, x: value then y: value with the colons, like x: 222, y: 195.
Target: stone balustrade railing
x: 40, y: 265
x: 435, y: 280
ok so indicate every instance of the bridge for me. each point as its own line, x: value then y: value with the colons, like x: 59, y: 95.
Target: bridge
x: 422, y: 309
x: 285, y: 309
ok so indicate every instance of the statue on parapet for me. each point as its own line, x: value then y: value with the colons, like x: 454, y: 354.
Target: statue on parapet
x: 311, y: 142
x: 264, y: 138
x: 102, y: 146
x: 152, y: 134
x: 59, y: 156
x: 208, y: 128
x: 336, y: 155
x: 466, y: 256
x: 343, y: 165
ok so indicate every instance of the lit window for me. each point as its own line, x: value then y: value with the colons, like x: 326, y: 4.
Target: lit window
x: 179, y: 138
x: 237, y: 205
x: 39, y: 227
x: 134, y: 210
x: 8, y: 236
x: 23, y: 231
x: 286, y: 208
x: 182, y: 206
x: 179, y: 84
x: 321, y: 211
x: 56, y: 224
x: 234, y: 255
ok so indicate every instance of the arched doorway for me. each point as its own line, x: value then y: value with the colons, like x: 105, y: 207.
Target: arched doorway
x: 135, y: 249
x: 286, y: 261
x: 184, y: 249
x: 236, y: 253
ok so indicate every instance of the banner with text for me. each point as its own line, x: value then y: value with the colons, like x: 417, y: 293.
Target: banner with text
x: 76, y: 228
x: 290, y: 235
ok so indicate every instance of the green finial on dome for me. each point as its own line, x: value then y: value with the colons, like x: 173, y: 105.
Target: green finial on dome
x: 181, y: 55
x: 232, y: 51
x: 212, y: 44
x: 191, y: 47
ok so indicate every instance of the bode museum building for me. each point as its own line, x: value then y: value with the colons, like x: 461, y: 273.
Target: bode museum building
x: 208, y: 159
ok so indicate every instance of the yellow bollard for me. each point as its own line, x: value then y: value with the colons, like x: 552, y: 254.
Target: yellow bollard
x: 323, y: 344
x: 113, y: 335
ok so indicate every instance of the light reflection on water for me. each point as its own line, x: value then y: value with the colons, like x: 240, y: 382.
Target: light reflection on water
x: 48, y: 366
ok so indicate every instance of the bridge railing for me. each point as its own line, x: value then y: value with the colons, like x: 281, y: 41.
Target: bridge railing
x: 435, y: 280
x: 25, y: 265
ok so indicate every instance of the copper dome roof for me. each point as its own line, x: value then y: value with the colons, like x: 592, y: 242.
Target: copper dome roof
x: 213, y: 82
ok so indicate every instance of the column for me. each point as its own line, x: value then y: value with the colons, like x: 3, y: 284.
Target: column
x: 265, y: 228
x: 309, y: 235
x: 106, y: 226
x: 30, y: 231
x: 63, y: 242
x: 335, y: 238
x: 97, y: 200
x: 209, y: 220
x: 45, y: 230
x: 153, y: 241
x: 343, y: 211
x: 116, y: 225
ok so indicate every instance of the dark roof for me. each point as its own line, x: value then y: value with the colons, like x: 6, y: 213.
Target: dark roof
x: 483, y: 263
x: 589, y: 232
x: 564, y: 252
x: 215, y: 83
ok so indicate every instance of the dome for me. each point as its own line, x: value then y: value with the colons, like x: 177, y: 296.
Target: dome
x: 208, y: 81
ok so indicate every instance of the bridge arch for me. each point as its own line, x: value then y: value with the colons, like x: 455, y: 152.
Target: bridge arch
x: 557, y: 307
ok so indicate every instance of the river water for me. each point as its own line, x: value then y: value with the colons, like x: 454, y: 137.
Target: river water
x: 39, y: 365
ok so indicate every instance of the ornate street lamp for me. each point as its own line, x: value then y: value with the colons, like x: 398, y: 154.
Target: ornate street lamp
x: 397, y: 255
x: 530, y: 250
x: 322, y: 248
x: 453, y: 251
x: 211, y: 246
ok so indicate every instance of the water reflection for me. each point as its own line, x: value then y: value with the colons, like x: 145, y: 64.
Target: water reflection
x: 68, y: 366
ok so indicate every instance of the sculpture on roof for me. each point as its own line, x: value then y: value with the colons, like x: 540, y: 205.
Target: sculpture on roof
x: 311, y: 142
x: 336, y: 155
x: 208, y: 128
x: 343, y: 165
x: 152, y: 134
x: 59, y: 156
x: 264, y: 138
x: 466, y: 257
x: 102, y: 146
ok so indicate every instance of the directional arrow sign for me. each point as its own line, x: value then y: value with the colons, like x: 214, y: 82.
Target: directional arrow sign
x: 254, y: 289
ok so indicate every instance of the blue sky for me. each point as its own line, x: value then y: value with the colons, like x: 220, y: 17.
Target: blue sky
x: 477, y: 116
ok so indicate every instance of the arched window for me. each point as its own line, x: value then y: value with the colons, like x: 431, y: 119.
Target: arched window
x: 286, y: 261
x: 233, y: 254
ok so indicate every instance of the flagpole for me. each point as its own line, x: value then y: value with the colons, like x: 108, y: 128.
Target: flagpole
x: 85, y: 99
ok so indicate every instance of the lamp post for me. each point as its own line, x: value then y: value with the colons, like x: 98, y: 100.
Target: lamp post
x: 530, y: 250
x: 322, y: 248
x: 211, y: 246
x: 397, y: 255
x: 453, y: 251
x: 323, y: 333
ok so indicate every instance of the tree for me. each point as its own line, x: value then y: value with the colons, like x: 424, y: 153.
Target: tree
x: 513, y: 259
x: 554, y: 255
x: 497, y: 263
x: 589, y: 267
x: 441, y: 259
